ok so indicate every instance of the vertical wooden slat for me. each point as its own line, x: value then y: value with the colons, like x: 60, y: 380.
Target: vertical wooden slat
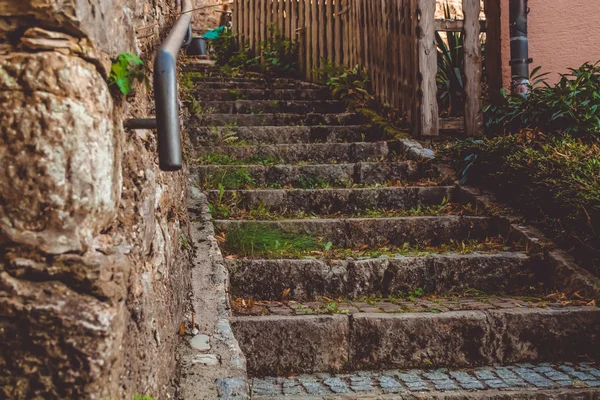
x: 294, y: 19
x: 493, y: 55
x: 314, y: 23
x: 252, y: 16
x: 247, y: 20
x: 330, y: 12
x: 307, y: 38
x: 258, y: 23
x: 427, y: 67
x: 288, y: 19
x: 280, y: 11
x: 236, y: 13
x: 302, y: 36
x: 263, y: 20
x: 473, y: 70
x: 322, y: 33
x: 338, y: 32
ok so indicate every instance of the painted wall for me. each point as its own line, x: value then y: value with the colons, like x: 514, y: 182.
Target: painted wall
x: 562, y: 34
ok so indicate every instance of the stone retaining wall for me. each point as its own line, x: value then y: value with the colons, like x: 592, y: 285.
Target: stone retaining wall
x: 93, y: 264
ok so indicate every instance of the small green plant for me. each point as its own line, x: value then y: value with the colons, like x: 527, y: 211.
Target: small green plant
x: 184, y: 241
x: 253, y: 239
x: 413, y: 295
x: 328, y: 70
x: 125, y: 71
x: 143, y: 397
x: 278, y: 53
x: 230, y: 179
x: 352, y: 87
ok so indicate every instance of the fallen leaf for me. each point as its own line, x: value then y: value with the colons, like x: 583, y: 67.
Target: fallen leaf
x: 182, y: 329
x: 285, y: 294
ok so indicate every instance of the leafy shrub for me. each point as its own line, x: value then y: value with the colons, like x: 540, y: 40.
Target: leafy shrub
x: 225, y: 47
x: 125, y: 71
x: 328, y: 70
x: 571, y: 106
x: 279, y: 53
x: 353, y: 87
x: 553, y: 179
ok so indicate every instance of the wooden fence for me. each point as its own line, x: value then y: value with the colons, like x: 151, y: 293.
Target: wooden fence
x: 393, y: 39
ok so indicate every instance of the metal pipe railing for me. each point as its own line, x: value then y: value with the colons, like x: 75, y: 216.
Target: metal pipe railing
x: 165, y: 93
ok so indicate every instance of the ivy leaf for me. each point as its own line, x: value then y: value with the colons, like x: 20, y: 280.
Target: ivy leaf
x: 124, y: 85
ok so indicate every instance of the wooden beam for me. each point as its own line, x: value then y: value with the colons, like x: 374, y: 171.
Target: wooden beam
x: 473, y: 69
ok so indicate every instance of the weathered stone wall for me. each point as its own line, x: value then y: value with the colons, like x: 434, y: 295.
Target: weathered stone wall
x: 207, y: 14
x: 93, y: 269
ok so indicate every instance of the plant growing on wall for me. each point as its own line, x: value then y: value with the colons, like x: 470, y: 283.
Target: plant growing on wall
x: 125, y: 71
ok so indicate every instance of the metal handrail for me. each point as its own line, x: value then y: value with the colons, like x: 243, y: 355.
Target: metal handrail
x: 165, y: 93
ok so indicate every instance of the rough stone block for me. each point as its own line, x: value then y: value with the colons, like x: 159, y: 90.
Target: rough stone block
x: 281, y: 345
x: 420, y: 340
x: 60, y: 155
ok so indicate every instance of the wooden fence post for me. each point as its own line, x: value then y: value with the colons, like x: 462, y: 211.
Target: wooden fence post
x: 473, y: 70
x: 427, y: 111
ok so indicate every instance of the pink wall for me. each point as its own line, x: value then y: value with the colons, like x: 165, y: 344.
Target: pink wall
x: 562, y: 34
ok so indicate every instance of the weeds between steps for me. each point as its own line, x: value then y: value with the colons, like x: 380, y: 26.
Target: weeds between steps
x: 255, y: 240
x: 412, y: 301
x: 227, y: 206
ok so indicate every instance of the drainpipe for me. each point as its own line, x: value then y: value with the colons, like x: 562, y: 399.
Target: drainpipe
x: 519, y: 46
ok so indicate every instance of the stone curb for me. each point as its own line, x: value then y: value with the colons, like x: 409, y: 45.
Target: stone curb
x: 225, y: 377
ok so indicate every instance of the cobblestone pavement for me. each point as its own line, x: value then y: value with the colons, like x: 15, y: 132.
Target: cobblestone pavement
x: 514, y: 377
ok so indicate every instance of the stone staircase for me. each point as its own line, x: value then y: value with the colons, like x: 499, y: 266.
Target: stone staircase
x: 358, y: 268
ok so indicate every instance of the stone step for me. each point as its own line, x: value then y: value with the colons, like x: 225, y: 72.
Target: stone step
x: 313, y: 176
x: 539, y: 381
x: 350, y: 233
x: 274, y: 106
x: 248, y: 83
x: 310, y: 153
x: 203, y: 136
x: 284, y: 345
x: 222, y: 94
x: 436, y: 274
x: 326, y: 202
x: 280, y: 119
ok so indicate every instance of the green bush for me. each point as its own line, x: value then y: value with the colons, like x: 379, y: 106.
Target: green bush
x: 353, y: 87
x: 571, y: 106
x: 279, y: 53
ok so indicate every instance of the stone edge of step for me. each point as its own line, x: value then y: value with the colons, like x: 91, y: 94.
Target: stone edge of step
x: 572, y: 277
x: 347, y: 339
x: 227, y: 378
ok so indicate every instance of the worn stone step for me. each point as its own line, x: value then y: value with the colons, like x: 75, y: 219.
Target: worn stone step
x: 311, y: 176
x: 282, y: 345
x: 434, y: 274
x: 222, y: 94
x: 275, y: 106
x: 280, y: 119
x: 376, y: 232
x: 332, y: 201
x: 311, y: 153
x: 538, y: 381
x: 221, y: 82
x: 203, y: 135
